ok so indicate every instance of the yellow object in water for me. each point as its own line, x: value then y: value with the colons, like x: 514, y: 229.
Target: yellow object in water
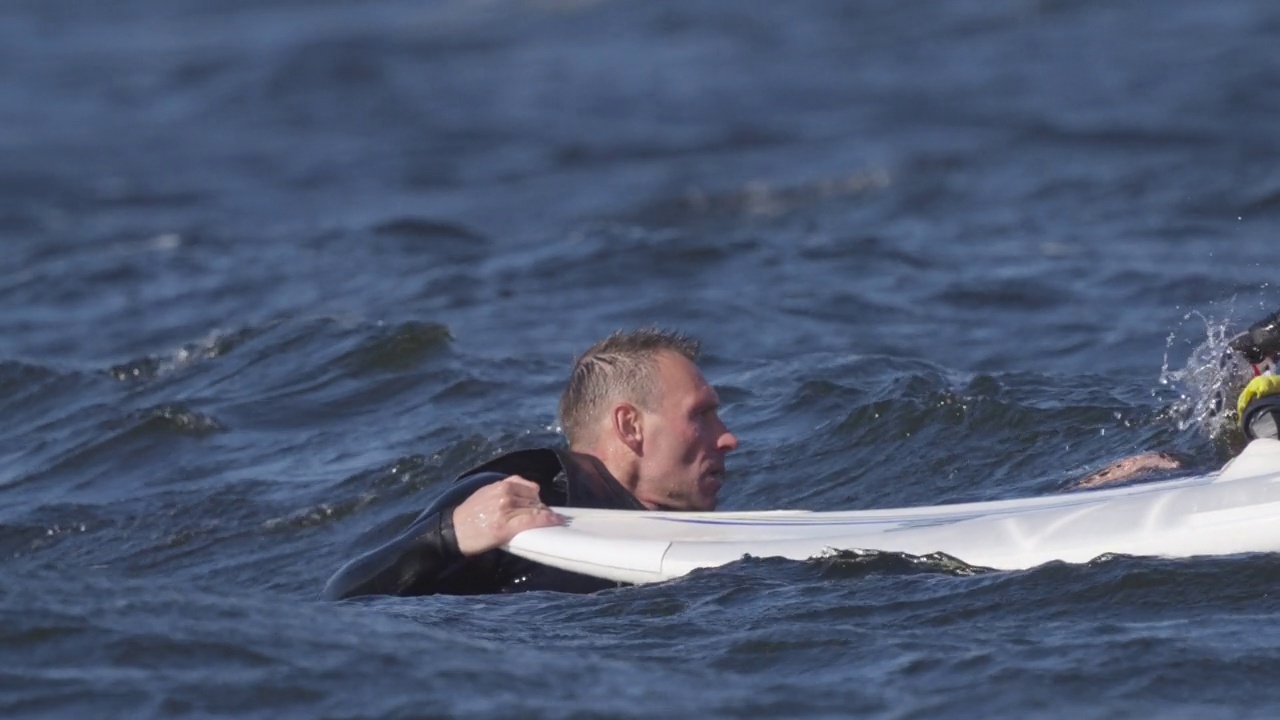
x: 1260, y: 386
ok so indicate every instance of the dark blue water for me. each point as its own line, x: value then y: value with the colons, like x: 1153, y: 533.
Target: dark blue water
x: 271, y: 274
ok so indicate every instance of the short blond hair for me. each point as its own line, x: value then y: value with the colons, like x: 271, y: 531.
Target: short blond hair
x: 623, y: 366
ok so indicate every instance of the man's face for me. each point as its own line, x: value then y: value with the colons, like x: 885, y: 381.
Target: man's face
x: 685, y: 442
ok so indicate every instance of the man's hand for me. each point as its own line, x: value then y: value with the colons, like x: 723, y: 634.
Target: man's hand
x: 1128, y: 469
x: 496, y: 513
x: 1260, y: 386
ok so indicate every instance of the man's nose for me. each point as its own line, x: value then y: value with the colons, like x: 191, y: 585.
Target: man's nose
x: 728, y: 442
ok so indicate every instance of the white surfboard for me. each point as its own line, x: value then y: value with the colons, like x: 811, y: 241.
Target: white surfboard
x: 1234, y: 510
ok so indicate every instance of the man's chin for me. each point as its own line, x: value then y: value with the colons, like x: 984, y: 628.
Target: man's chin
x: 709, y: 491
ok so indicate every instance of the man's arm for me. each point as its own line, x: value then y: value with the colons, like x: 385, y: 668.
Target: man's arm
x: 419, y: 557
x: 1126, y: 469
x: 479, y: 514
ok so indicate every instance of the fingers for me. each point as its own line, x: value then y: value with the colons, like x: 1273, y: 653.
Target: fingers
x: 535, y: 518
x: 521, y: 485
x: 496, y: 513
x: 520, y: 491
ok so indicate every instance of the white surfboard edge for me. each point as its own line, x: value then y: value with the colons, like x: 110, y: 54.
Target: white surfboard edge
x: 1234, y: 510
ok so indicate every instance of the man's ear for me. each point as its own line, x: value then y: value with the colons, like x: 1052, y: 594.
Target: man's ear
x: 628, y: 426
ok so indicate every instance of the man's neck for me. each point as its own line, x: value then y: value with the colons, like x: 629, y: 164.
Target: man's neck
x: 622, y: 470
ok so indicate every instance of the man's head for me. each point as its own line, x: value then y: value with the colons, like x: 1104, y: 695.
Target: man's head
x: 638, y: 402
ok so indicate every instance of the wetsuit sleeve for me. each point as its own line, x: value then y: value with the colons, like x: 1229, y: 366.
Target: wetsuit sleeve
x: 420, y: 560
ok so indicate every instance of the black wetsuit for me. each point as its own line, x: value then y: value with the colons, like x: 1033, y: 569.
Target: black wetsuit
x: 425, y: 560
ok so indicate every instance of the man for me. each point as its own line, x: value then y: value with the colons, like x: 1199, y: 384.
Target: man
x: 1258, y: 407
x: 1249, y: 361
x: 644, y: 432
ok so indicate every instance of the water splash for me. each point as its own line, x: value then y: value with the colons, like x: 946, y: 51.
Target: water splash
x: 1209, y: 381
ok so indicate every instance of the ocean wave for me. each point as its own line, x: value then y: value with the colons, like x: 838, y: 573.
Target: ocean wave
x: 397, y: 348
x: 215, y: 345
